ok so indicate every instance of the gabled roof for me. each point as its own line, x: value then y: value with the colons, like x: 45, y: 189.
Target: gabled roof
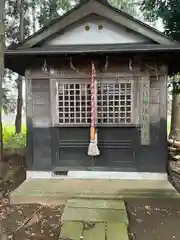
x: 101, y: 8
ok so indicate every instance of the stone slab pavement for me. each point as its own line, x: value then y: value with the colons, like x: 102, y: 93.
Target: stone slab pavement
x: 94, y: 219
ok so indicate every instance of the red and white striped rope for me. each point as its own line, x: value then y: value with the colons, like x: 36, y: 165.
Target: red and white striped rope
x: 92, y: 95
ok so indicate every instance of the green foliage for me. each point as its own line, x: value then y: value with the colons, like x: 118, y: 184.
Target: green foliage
x: 12, y: 140
x: 50, y: 10
x: 12, y: 21
x: 174, y: 83
x: 64, y: 5
x: 8, y: 101
x: 12, y: 36
x: 168, y: 11
x: 168, y: 125
x: 127, y: 6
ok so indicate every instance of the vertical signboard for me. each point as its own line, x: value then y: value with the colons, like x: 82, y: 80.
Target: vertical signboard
x: 145, y: 127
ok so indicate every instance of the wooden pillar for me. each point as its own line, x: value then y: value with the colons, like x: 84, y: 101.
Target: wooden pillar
x: 163, y: 102
x: 29, y: 110
x: 29, y: 115
x: 144, y: 108
x: 163, y: 91
x: 54, y: 101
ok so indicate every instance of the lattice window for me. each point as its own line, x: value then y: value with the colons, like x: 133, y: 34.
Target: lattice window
x: 114, y: 103
x: 74, y: 103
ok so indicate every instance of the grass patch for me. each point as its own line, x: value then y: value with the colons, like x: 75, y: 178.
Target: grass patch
x: 11, y: 140
x: 168, y: 124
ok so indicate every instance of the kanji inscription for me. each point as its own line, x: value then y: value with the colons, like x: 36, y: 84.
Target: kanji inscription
x: 145, y: 129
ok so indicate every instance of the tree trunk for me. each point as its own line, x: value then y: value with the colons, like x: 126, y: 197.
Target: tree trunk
x: 34, y: 16
x: 18, y: 121
x: 2, y: 45
x: 175, y: 117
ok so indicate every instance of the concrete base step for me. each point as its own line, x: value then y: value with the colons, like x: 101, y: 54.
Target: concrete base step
x: 54, y: 191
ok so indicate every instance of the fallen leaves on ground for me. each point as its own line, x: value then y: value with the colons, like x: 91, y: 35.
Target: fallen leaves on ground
x: 30, y: 221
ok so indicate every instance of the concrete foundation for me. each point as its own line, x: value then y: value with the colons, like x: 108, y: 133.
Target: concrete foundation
x: 98, y: 175
x: 54, y: 190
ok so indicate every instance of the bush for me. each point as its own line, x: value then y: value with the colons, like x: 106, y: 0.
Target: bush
x: 11, y: 140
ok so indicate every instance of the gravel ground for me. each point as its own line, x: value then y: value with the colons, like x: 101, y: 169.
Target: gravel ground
x: 30, y: 221
x: 154, y: 219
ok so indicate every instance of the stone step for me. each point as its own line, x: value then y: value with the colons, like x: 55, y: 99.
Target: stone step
x: 89, y: 219
x: 116, y: 231
x: 89, y: 231
x: 33, y: 198
x: 95, y: 215
x: 96, y: 232
x: 71, y: 230
x: 96, y: 204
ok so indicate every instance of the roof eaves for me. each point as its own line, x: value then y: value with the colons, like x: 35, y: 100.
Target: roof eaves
x: 110, y: 48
